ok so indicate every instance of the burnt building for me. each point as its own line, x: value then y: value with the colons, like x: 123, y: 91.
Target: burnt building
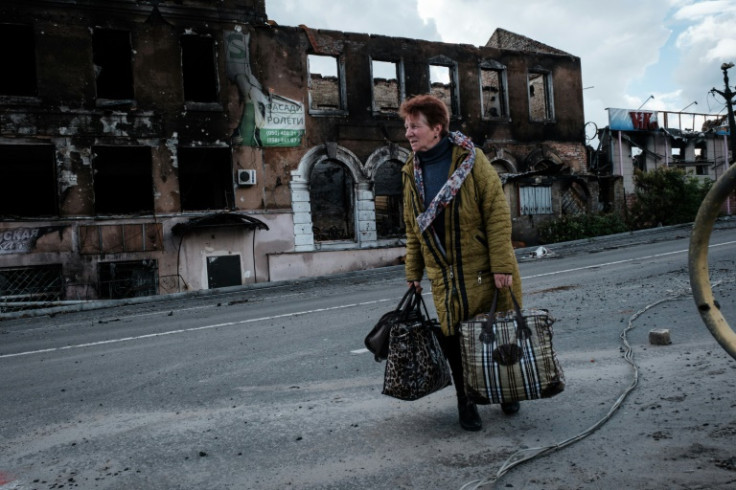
x: 150, y: 147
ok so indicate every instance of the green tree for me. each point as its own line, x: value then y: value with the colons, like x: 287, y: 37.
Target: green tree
x: 666, y: 196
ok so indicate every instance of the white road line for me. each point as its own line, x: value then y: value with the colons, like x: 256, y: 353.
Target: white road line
x: 319, y: 310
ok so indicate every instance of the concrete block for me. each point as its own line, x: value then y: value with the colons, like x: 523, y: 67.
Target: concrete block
x: 660, y: 336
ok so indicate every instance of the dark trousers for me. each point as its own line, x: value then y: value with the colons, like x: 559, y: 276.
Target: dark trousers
x: 451, y: 347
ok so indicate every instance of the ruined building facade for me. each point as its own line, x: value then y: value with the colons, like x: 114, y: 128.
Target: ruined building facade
x: 156, y: 147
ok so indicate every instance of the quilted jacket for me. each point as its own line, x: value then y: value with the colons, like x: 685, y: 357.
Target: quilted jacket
x: 477, y: 244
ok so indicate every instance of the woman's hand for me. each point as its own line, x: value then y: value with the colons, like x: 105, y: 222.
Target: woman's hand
x: 502, y: 280
x: 416, y: 284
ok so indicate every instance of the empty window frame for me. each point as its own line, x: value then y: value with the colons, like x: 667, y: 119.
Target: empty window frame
x: 443, y: 83
x: 388, y: 87
x: 327, y: 91
x: 332, y: 197
x: 493, y: 94
x: 123, y: 180
x: 113, y: 60
x: 127, y: 279
x: 389, y: 200
x: 22, y: 288
x: 223, y: 271
x: 199, y: 68
x: 28, y: 181
x: 541, y: 107
x: 205, y: 178
x: 18, y: 53
x: 535, y: 200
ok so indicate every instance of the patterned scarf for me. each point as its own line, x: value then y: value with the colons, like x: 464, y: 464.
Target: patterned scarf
x: 448, y: 191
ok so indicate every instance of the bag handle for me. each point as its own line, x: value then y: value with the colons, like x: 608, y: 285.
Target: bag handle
x: 522, y: 329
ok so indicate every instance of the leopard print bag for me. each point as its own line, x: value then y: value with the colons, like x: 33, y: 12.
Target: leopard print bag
x: 416, y: 365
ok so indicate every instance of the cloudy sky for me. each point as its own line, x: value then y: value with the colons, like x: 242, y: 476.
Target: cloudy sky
x: 629, y: 49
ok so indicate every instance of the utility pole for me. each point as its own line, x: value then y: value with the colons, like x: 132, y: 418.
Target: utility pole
x: 728, y: 95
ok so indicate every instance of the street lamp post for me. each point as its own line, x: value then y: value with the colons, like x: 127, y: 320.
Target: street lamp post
x: 728, y: 95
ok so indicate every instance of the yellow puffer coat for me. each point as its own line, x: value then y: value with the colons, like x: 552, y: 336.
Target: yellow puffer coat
x: 477, y: 244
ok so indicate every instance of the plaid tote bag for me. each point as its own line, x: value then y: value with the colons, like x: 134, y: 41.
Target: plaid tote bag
x: 508, y: 356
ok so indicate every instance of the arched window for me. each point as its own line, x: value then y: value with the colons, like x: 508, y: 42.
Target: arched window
x: 331, y: 196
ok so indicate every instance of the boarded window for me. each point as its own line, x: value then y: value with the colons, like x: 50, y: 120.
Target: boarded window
x: 112, y: 56
x: 331, y: 197
x: 493, y: 93
x: 325, y: 84
x: 535, y: 200
x: 128, y: 279
x: 389, y: 200
x: 386, y: 87
x: 205, y: 178
x: 123, y: 180
x: 223, y: 271
x: 540, y: 96
x: 18, y: 54
x: 199, y: 68
x: 27, y: 181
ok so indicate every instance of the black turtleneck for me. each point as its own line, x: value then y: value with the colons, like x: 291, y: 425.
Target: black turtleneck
x: 435, y: 164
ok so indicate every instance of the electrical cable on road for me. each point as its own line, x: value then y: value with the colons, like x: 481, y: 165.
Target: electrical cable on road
x: 528, y: 454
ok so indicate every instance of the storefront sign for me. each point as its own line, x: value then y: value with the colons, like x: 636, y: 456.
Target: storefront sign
x: 632, y: 120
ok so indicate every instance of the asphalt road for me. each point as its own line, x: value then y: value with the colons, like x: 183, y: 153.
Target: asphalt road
x: 269, y: 387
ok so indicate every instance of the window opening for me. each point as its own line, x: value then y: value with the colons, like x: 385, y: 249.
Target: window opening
x: 325, y: 91
x: 493, y: 93
x: 331, y: 199
x: 540, y: 97
x: 677, y: 153
x: 18, y: 52
x: 440, y: 81
x: 535, y: 200
x: 27, y: 181
x: 22, y: 288
x: 205, y: 178
x: 123, y: 180
x: 199, y: 68
x: 638, y: 158
x: 389, y: 200
x: 386, y: 87
x: 223, y: 271
x: 127, y: 279
x: 112, y: 57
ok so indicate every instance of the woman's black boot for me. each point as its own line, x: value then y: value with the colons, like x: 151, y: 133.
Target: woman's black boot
x: 469, y: 417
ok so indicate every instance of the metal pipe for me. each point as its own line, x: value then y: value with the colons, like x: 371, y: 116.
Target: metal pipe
x: 698, y: 261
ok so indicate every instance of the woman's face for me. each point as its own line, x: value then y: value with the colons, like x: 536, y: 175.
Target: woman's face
x: 421, y: 136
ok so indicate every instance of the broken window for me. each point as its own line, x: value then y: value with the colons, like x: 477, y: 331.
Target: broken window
x: 535, y: 200
x: 199, y: 68
x: 127, y: 279
x: 27, y: 181
x: 638, y: 158
x: 326, y: 86
x: 123, y: 180
x: 223, y: 271
x: 18, y: 53
x: 205, y: 178
x: 331, y: 197
x: 540, y: 96
x: 493, y: 90
x: 389, y: 200
x: 443, y: 85
x: 387, y: 87
x: 678, y: 152
x: 112, y: 57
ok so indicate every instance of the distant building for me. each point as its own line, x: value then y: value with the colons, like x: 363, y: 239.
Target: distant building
x: 152, y: 147
x: 647, y: 140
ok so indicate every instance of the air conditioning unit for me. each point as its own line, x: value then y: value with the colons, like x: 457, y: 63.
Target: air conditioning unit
x: 246, y: 177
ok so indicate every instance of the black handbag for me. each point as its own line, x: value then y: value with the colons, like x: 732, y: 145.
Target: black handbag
x: 416, y: 365
x: 377, y: 339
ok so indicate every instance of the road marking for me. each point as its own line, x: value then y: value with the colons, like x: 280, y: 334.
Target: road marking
x: 617, y: 262
x: 318, y: 310
x: 193, y: 329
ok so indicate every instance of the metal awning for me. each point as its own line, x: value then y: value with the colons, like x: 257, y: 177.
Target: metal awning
x: 220, y: 220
